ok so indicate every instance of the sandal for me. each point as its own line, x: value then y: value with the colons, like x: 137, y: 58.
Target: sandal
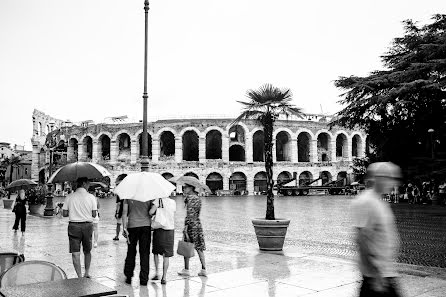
x: 156, y: 277
x: 163, y: 281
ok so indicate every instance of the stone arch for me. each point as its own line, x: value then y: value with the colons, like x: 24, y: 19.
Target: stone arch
x: 104, y: 143
x: 357, y: 145
x: 190, y: 141
x: 167, y: 144
x: 341, y: 145
x: 190, y: 129
x: 258, y: 146
x: 214, y: 144
x: 42, y: 178
x: 325, y: 177
x: 87, y: 145
x: 40, y: 131
x: 193, y: 174
x: 206, y: 131
x: 283, y: 146
x: 124, y: 141
x: 284, y: 176
x: 260, y: 184
x: 237, y: 183
x: 243, y: 126
x: 140, y: 144
x: 117, y: 134
x: 303, y: 146
x: 167, y: 175
x: 73, y: 150
x: 324, y: 146
x: 237, y: 134
x: 165, y: 129
x: 305, y: 177
x: 286, y: 130
x: 237, y: 153
x: 214, y: 181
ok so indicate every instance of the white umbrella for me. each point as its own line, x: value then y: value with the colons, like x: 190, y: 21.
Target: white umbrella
x: 144, y: 186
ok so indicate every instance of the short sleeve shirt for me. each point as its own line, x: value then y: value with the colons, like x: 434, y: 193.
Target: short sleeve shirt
x: 80, y: 205
x: 375, y: 216
x: 138, y: 213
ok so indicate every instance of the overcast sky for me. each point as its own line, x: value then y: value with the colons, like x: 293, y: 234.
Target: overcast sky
x: 83, y: 59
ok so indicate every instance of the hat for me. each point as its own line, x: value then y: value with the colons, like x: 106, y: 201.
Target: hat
x: 384, y: 169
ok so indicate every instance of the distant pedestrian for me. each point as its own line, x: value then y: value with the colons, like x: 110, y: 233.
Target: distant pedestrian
x: 163, y: 238
x: 376, y: 233
x: 96, y: 225
x: 20, y: 212
x: 81, y: 207
x: 136, y: 227
x: 193, y: 228
x: 119, y: 207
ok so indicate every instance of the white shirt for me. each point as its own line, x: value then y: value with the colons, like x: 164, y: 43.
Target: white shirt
x: 80, y: 205
x: 375, y: 216
x: 170, y: 207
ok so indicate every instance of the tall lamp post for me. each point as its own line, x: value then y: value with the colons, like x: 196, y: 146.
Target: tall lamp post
x: 431, y: 133
x: 145, y: 140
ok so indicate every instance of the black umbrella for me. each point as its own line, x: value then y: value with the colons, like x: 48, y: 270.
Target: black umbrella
x: 71, y: 172
x: 97, y: 185
x: 21, y: 184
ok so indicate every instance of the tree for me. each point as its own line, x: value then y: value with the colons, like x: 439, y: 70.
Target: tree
x: 265, y: 106
x: 397, y: 106
x: 11, y: 162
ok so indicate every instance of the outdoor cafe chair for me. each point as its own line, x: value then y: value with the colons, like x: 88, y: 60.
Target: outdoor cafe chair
x: 30, y: 272
x: 9, y: 259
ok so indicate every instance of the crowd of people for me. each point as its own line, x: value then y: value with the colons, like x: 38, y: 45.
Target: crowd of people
x: 419, y: 193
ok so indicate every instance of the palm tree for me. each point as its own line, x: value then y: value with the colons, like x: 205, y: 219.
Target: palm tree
x: 11, y: 163
x: 265, y: 106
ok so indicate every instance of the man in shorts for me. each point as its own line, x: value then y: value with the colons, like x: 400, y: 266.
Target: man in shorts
x: 119, y: 207
x: 376, y: 233
x: 81, y: 207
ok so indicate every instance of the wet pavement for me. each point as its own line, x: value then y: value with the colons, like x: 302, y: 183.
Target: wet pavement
x: 318, y: 257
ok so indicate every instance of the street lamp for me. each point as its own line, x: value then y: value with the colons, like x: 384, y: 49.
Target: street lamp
x: 145, y: 145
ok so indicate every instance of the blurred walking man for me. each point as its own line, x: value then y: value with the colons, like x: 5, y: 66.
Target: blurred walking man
x: 376, y: 233
x: 81, y: 207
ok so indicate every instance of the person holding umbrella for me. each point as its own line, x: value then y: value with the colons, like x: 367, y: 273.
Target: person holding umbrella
x: 138, y: 190
x: 20, y: 212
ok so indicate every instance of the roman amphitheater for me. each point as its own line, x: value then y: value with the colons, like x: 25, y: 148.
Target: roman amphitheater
x: 224, y: 156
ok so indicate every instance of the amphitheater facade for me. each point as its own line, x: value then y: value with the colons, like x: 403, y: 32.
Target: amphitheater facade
x: 222, y: 155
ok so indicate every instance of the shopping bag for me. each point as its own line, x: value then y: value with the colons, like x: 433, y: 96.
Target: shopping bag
x: 159, y: 220
x: 185, y: 247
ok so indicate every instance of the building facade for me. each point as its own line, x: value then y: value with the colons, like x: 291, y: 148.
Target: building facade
x: 20, y: 170
x: 222, y: 155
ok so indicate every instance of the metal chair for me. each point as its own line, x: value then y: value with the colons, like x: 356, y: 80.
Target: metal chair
x: 31, y: 272
x: 7, y: 260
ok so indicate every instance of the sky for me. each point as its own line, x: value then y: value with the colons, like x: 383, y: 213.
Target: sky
x: 83, y: 60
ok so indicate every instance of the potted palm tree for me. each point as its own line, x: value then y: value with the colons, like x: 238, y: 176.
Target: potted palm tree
x: 265, y: 106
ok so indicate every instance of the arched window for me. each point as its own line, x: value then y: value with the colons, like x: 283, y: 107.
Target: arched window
x: 190, y: 146
x: 213, y: 145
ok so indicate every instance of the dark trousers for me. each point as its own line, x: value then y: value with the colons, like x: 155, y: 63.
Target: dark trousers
x: 139, y: 235
x: 20, y: 216
x: 391, y: 288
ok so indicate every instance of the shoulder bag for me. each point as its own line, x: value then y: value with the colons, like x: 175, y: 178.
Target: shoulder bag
x: 159, y: 220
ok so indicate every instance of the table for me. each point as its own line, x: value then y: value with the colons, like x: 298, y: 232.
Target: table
x: 82, y: 287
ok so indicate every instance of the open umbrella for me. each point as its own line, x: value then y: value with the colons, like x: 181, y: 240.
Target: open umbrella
x: 144, y: 186
x: 97, y: 185
x: 73, y: 171
x: 190, y: 180
x: 21, y: 184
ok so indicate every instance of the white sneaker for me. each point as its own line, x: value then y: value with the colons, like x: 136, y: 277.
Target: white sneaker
x: 202, y: 272
x: 184, y: 272
x: 95, y: 245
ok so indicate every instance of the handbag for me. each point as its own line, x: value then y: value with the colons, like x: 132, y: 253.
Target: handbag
x: 185, y: 247
x: 14, y: 209
x: 159, y: 220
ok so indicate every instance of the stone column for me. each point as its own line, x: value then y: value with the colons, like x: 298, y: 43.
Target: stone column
x: 225, y: 148
x: 274, y: 151
x: 155, y: 150
x: 96, y: 152
x: 250, y: 185
x: 332, y: 150
x: 225, y: 182
x: 80, y: 152
x: 202, y: 149
x: 349, y: 149
x: 313, y: 151
x: 294, y: 151
x: 114, y: 151
x: 35, y: 164
x: 133, y: 151
x: 70, y: 153
x: 248, y: 149
x: 178, y: 149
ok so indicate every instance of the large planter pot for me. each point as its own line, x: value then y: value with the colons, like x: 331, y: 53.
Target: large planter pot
x: 270, y: 233
x: 7, y: 203
x: 36, y: 209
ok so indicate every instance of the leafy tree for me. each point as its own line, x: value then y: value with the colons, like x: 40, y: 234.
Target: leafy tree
x: 397, y: 106
x: 265, y: 106
x: 359, y: 168
x: 11, y: 162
